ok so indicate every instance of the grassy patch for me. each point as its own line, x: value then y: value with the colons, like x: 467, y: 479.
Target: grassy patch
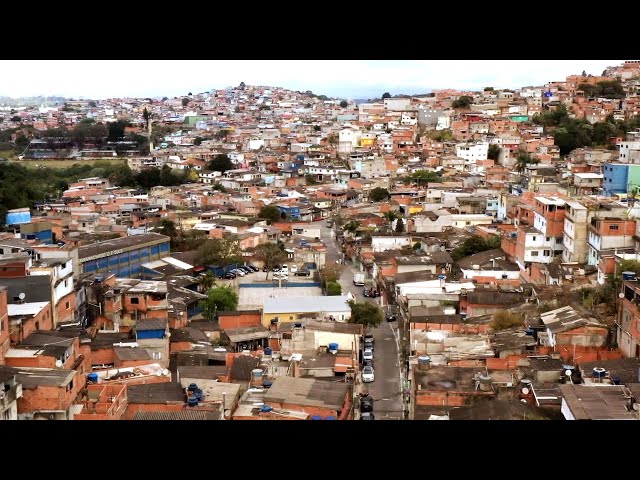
x: 66, y: 163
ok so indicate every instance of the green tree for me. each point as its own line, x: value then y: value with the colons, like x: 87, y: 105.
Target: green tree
x: 270, y: 254
x: 423, y: 177
x: 378, y: 194
x: 471, y: 245
x: 334, y: 288
x: 220, y: 163
x: 504, y: 319
x: 463, y: 102
x: 368, y: 314
x: 523, y: 159
x: 310, y: 179
x: 494, y: 151
x: 116, y: 130
x: 219, y: 299
x: 146, y: 115
x: 206, y: 281
x: 399, y: 225
x: 185, y: 101
x: 344, y: 104
x: 386, y: 95
x: 197, y: 141
x: 219, y: 251
x: 351, y: 227
x: 168, y: 228
x: 270, y: 213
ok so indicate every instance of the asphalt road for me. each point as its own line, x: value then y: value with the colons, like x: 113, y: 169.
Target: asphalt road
x: 386, y: 388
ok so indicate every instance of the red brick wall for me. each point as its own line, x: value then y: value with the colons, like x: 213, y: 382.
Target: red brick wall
x: 239, y: 319
x: 42, y: 321
x: 62, y: 311
x: 179, y: 346
x: 104, y: 356
x: 4, y: 326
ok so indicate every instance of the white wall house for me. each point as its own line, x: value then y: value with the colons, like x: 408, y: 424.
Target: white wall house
x: 382, y: 244
x: 472, y: 152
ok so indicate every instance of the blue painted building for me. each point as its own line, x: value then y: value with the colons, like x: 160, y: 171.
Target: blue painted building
x: 123, y: 256
x: 293, y: 211
x: 615, y: 178
x: 155, y: 328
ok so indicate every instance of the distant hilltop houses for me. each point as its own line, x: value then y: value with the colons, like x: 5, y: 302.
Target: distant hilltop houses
x: 257, y: 253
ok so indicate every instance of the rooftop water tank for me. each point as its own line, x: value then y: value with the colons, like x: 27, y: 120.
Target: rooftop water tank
x: 267, y: 383
x: 330, y: 417
x: 424, y: 359
x: 192, y: 387
x: 267, y: 351
x: 333, y: 347
x: 628, y: 275
x: 266, y: 408
x: 599, y: 372
x: 192, y: 401
x: 198, y: 394
x: 92, y: 377
x: 316, y: 417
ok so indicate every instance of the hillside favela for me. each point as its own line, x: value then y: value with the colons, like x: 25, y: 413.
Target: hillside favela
x: 255, y: 252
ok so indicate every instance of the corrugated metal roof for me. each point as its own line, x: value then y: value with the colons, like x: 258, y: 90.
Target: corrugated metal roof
x: 22, y: 353
x: 33, y: 308
x: 308, y: 304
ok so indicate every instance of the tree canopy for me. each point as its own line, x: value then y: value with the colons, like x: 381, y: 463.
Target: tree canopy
x: 270, y: 213
x: 504, y: 319
x: 219, y: 251
x: 270, y: 254
x: 220, y: 163
x: 378, y: 194
x: 474, y: 244
x: 463, y: 102
x: 368, y: 314
x: 219, y: 299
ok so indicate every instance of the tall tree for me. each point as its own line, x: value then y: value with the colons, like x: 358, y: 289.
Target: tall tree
x: 219, y: 299
x: 219, y: 251
x: 494, y: 151
x: 399, y: 225
x: 206, y: 281
x: 116, y: 130
x: 271, y: 213
x: 168, y: 228
x: 146, y: 115
x: 368, y: 314
x: 386, y: 95
x: 378, y: 194
x: 220, y: 163
x: 270, y: 254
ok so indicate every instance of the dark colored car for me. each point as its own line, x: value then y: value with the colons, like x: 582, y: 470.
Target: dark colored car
x: 303, y: 272
x: 245, y: 269
x: 228, y: 276
x: 254, y: 268
x: 367, y: 416
x: 367, y: 363
x: 366, y: 403
x: 368, y: 344
x: 391, y: 318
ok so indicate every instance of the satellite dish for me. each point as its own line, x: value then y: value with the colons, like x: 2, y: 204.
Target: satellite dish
x: 58, y: 362
x: 621, y: 295
x: 525, y: 391
x: 635, y: 406
x: 568, y: 372
x: 21, y: 295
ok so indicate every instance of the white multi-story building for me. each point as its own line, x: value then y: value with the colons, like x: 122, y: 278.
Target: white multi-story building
x: 472, y: 151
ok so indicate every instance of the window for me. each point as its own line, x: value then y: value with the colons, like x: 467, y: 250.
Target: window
x: 67, y: 305
x: 534, y: 253
x: 613, y: 227
x: 534, y: 238
x: 546, y: 253
x: 135, y: 300
x: 157, y: 355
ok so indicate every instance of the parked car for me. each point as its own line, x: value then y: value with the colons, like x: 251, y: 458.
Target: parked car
x: 366, y: 403
x: 303, y: 272
x: 368, y: 336
x: 228, y: 276
x: 367, y: 354
x: 367, y: 416
x: 367, y: 374
x: 368, y: 344
x: 367, y: 363
x: 245, y: 269
x: 293, y: 269
x: 253, y: 267
x: 391, y: 318
x: 238, y: 272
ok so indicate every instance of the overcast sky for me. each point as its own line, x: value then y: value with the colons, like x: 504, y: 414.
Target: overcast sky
x: 336, y: 78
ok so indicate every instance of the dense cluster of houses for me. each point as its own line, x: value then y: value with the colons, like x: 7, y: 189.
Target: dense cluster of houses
x: 99, y: 319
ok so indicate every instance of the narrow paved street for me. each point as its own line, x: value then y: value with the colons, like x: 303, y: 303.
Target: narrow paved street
x: 386, y: 388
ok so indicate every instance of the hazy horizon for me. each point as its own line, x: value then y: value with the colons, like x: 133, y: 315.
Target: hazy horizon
x: 350, y: 79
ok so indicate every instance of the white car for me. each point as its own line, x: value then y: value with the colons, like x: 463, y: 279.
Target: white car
x: 367, y: 374
x: 293, y: 269
x: 284, y: 269
x: 367, y: 354
x: 280, y: 276
x: 238, y: 272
